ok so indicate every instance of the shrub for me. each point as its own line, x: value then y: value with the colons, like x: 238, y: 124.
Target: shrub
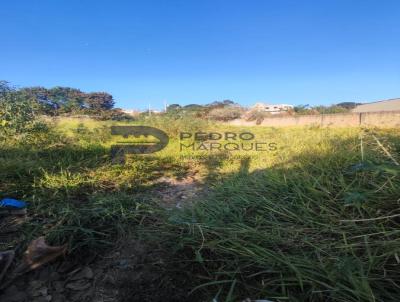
x: 256, y: 115
x: 113, y: 114
x: 18, y: 115
x: 173, y: 126
x: 225, y: 113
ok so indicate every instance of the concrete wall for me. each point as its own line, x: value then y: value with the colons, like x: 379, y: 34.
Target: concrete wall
x: 379, y: 119
x: 388, y: 105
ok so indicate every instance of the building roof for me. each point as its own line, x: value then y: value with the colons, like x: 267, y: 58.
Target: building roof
x: 259, y: 104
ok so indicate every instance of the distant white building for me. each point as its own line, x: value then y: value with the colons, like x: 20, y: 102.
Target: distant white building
x: 132, y: 112
x: 272, y: 108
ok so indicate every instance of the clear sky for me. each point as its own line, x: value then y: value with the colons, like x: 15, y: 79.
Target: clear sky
x: 186, y: 51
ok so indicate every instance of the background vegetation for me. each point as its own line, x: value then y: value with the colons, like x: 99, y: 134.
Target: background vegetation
x: 315, y: 220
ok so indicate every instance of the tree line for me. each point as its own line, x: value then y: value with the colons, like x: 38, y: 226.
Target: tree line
x: 61, y: 100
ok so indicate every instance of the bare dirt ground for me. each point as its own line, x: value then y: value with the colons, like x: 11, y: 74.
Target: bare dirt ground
x: 130, y: 272
x: 178, y: 192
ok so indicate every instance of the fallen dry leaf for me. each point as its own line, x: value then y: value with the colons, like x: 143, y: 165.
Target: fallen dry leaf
x: 39, y: 253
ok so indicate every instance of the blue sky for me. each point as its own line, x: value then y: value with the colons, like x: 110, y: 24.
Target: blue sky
x: 297, y: 52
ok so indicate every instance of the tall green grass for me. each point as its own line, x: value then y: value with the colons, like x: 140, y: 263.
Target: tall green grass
x: 315, y: 220
x: 323, y: 225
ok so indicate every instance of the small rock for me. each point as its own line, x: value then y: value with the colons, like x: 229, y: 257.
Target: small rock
x: 42, y: 299
x: 65, y: 267
x: 78, y: 285
x: 12, y: 289
x: 123, y: 263
x: 58, y: 298
x: 44, y: 274
x: 109, y: 279
x: 98, y: 271
x: 12, y: 294
x: 74, y: 271
x: 117, y: 254
x: 35, y: 284
x: 20, y: 283
x: 88, y: 273
x: 85, y: 273
x: 43, y: 291
x: 77, y: 296
x: 17, y: 297
x: 37, y: 292
x: 58, y: 286
x: 54, y: 276
x: 88, y: 294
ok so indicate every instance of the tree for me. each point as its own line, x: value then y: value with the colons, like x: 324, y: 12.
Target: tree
x: 4, y: 88
x: 219, y: 104
x: 17, y: 113
x: 225, y: 114
x: 99, y: 101
x: 302, y: 109
x: 56, y: 100
x: 40, y: 95
x: 66, y: 99
x: 330, y: 109
x: 193, y: 107
x: 173, y: 107
x: 59, y: 99
x: 348, y: 105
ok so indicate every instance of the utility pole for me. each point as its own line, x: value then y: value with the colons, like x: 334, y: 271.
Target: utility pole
x: 165, y: 106
x: 149, y: 110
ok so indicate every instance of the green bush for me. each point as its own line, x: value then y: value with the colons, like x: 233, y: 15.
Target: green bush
x: 18, y: 115
x: 225, y: 113
x: 112, y: 114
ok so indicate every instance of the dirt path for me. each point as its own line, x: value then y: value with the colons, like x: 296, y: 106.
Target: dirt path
x: 178, y: 192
